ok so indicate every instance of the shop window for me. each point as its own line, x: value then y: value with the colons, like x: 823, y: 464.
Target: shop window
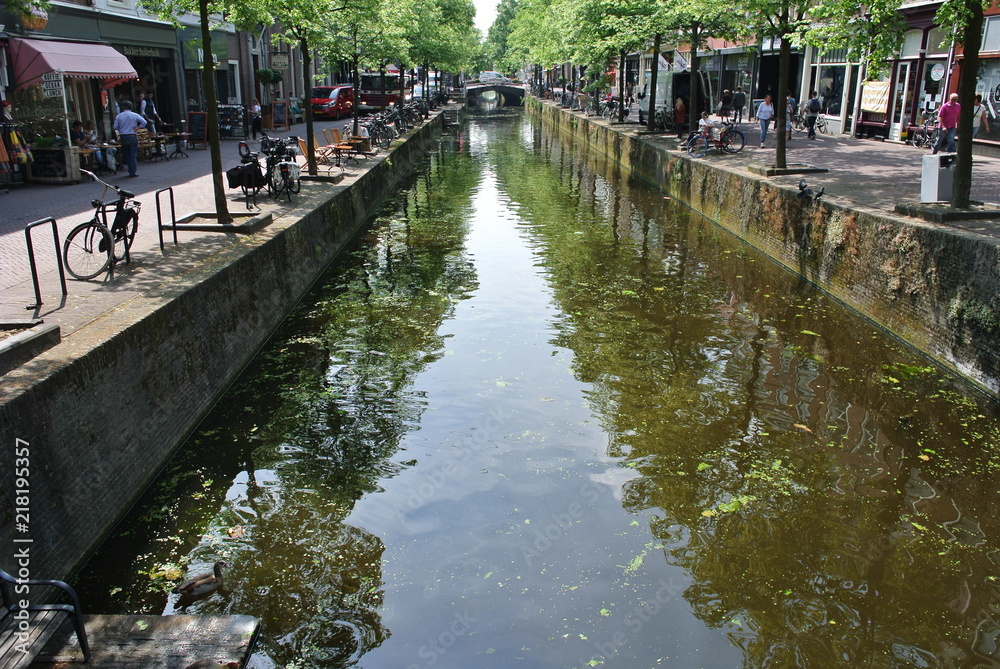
x: 937, y: 42
x: 931, y: 91
x: 912, y: 43
x: 991, y: 34
x: 989, y: 87
x: 830, y: 86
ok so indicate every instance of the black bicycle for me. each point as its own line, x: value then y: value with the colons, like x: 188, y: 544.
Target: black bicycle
x: 94, y: 247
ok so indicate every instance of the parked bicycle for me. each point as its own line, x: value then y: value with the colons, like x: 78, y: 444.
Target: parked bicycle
x: 281, y: 169
x: 93, y: 247
x: 926, y: 135
x: 729, y: 140
x: 279, y: 175
x: 799, y: 121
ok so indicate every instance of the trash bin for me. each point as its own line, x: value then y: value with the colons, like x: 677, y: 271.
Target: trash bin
x: 936, y: 176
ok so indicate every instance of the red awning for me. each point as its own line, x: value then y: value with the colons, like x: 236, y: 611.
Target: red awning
x: 33, y: 58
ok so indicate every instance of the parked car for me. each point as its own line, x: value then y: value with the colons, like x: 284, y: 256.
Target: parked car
x: 490, y: 77
x: 332, y: 101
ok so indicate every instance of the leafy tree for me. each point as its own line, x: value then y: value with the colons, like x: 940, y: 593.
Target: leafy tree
x: 243, y: 15
x: 604, y: 31
x: 784, y: 20
x: 966, y: 19
x: 495, y: 47
x: 535, y: 36
x: 694, y: 21
x: 305, y: 24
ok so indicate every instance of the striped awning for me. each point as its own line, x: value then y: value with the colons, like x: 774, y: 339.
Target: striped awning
x: 33, y: 58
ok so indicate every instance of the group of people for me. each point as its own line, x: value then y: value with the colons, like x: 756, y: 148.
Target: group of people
x: 948, y: 122
x: 766, y: 113
x: 126, y: 123
x: 84, y: 135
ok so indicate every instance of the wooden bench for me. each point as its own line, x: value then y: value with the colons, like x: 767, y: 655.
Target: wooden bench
x: 26, y: 627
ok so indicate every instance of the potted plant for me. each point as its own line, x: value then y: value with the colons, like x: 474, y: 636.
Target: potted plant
x: 269, y: 76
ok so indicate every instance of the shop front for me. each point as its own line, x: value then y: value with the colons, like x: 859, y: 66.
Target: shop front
x: 55, y: 83
x: 988, y: 83
x: 833, y: 78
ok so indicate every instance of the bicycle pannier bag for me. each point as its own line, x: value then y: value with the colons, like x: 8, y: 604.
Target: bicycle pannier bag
x: 235, y: 176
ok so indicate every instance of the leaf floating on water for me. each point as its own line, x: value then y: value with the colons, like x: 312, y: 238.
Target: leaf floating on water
x: 236, y: 532
x: 488, y: 574
x: 810, y: 332
x: 924, y: 457
x: 803, y: 427
x: 547, y: 399
x: 141, y: 624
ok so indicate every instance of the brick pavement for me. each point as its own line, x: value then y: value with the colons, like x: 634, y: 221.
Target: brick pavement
x: 862, y: 172
x: 70, y: 205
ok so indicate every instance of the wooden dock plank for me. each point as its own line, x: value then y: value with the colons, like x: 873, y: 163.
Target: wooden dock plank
x: 154, y: 642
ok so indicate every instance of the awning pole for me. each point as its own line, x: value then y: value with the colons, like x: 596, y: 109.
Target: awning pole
x: 62, y: 81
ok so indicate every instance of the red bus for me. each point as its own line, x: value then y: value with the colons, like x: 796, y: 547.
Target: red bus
x: 370, y: 92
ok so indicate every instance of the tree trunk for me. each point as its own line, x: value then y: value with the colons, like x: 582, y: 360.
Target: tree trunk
x: 211, y: 101
x: 621, y: 86
x: 402, y: 85
x: 694, y: 106
x: 651, y: 93
x: 356, y: 82
x: 308, y: 112
x: 971, y: 41
x: 781, y: 100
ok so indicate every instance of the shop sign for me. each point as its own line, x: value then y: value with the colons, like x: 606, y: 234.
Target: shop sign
x: 53, y: 94
x: 52, y: 85
x: 279, y: 61
x: 148, y: 51
x: 52, y: 76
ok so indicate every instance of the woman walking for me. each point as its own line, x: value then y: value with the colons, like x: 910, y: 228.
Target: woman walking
x: 765, y: 112
x: 255, y: 118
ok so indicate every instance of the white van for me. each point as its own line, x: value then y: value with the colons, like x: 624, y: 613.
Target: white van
x: 490, y: 77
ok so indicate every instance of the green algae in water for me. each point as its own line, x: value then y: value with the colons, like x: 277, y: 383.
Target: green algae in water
x: 537, y: 416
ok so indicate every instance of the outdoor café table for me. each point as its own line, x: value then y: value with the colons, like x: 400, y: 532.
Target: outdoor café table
x: 180, y: 137
x: 159, y: 148
x: 93, y: 155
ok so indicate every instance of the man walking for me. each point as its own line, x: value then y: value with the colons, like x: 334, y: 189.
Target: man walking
x: 147, y: 110
x: 125, y: 125
x: 813, y: 107
x: 948, y: 124
x: 739, y: 102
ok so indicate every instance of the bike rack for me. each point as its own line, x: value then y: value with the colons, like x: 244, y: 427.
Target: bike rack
x: 31, y: 258
x: 173, y: 214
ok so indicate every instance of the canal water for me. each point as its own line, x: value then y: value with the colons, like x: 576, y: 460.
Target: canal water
x: 540, y: 415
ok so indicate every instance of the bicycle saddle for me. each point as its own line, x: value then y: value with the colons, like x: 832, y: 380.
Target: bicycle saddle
x: 124, y: 193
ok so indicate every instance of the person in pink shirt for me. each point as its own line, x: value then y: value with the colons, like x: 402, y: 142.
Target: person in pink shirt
x: 948, y: 123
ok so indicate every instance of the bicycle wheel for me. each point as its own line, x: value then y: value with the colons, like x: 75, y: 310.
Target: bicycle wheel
x: 87, y: 250
x: 821, y: 125
x: 295, y: 185
x: 697, y: 146
x: 734, y: 141
x: 385, y: 138
x: 124, y: 234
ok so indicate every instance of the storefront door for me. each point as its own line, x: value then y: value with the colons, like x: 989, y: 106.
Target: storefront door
x: 902, y: 100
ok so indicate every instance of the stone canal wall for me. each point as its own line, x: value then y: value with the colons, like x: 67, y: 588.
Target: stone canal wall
x: 934, y: 286
x: 96, y: 417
